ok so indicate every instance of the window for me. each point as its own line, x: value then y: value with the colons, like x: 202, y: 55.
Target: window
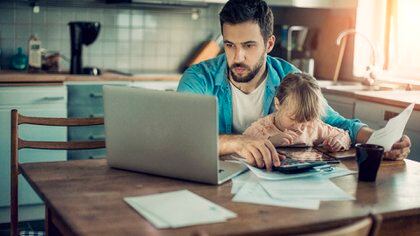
x: 392, y: 26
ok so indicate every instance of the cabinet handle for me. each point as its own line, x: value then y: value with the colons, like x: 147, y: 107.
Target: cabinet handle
x: 95, y: 156
x: 99, y: 115
x: 170, y: 90
x: 96, y: 95
x: 53, y: 98
x: 97, y: 137
x: 389, y: 115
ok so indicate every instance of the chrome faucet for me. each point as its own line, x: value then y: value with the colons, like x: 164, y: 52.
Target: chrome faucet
x: 370, y: 70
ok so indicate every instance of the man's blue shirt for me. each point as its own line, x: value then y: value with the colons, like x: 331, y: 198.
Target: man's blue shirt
x: 210, y: 78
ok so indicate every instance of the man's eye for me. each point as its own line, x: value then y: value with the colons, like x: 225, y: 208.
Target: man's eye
x: 249, y: 45
x: 229, y: 45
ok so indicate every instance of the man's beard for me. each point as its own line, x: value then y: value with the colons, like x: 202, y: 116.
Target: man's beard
x: 251, y: 74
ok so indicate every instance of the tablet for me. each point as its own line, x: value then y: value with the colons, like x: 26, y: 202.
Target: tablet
x: 307, y: 154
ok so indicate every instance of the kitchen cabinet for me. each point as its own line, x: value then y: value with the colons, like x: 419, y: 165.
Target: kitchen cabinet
x: 342, y: 104
x: 85, y: 99
x: 376, y: 116
x: 45, y: 101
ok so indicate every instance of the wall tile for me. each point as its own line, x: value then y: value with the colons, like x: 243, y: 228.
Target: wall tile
x: 108, y: 33
x: 38, y: 18
x: 7, y: 31
x: 23, y: 15
x: 109, y: 48
x: 54, y: 32
x: 137, y: 19
x: 39, y: 31
x: 137, y: 35
x: 7, y: 16
x: 82, y: 14
x: 53, y: 15
x: 148, y: 40
x: 123, y: 48
x: 23, y: 31
x: 67, y: 15
x: 123, y: 34
x: 123, y: 20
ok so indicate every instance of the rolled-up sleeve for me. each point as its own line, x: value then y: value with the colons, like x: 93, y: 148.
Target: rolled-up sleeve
x: 192, y: 82
x: 351, y: 125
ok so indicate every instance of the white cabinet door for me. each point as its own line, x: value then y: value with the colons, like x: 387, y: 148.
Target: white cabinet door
x: 341, y: 104
x: 43, y: 101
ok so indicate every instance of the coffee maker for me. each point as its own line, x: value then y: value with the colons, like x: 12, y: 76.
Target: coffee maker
x: 82, y: 33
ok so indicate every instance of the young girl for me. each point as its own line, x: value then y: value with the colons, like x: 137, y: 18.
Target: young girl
x: 299, y: 107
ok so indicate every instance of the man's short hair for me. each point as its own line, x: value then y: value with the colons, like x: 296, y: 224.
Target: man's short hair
x: 239, y: 11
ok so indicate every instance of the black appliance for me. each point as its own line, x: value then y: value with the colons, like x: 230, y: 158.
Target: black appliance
x: 82, y: 33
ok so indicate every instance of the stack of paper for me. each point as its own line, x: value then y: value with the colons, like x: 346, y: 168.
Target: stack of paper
x: 304, y: 191
x: 178, y: 209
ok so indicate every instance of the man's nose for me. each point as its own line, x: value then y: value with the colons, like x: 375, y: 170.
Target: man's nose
x: 239, y: 55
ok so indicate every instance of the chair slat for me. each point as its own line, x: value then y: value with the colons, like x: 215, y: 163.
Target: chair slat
x: 73, y: 145
x: 60, y: 121
x: 17, y: 143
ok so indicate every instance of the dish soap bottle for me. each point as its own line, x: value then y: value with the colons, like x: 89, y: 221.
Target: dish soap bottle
x: 20, y: 60
x: 35, y: 55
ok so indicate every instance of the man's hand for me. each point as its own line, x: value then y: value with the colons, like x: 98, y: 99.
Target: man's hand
x: 400, y: 149
x: 256, y: 151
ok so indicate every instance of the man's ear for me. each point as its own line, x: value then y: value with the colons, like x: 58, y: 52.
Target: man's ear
x: 276, y: 103
x: 270, y: 43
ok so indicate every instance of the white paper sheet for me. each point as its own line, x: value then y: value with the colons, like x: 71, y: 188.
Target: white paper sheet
x: 241, y: 180
x: 253, y: 192
x: 178, y: 209
x: 393, y: 130
x: 306, y: 188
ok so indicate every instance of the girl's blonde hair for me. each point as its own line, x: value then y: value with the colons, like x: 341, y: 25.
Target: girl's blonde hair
x: 301, y: 93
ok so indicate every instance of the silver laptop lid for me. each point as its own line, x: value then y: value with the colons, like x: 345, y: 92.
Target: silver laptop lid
x: 163, y: 133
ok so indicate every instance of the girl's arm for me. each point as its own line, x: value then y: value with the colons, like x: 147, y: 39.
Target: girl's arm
x: 333, y: 138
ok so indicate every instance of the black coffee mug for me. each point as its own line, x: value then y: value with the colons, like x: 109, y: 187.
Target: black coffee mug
x: 369, y: 157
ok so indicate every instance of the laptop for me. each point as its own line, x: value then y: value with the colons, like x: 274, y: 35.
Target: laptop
x: 165, y: 133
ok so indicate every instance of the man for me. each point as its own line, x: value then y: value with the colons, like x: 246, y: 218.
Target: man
x: 245, y: 78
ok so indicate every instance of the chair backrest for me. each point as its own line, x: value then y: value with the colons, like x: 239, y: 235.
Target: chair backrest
x: 368, y: 226
x: 18, y: 143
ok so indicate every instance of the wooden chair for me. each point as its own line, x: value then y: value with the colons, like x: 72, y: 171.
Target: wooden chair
x: 368, y: 226
x: 17, y: 144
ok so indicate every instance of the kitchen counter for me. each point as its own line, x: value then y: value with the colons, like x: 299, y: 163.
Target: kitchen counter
x: 386, y: 94
x: 399, y: 98
x: 10, y: 77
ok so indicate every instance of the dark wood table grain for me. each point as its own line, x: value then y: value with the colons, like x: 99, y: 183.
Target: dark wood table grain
x: 85, y: 197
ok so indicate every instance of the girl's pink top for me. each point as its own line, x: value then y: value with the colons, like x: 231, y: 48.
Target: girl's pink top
x: 310, y: 133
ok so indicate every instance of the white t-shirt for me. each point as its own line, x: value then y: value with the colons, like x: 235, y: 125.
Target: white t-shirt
x: 246, y: 108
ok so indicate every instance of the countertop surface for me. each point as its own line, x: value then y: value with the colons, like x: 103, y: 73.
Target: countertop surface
x: 10, y: 77
x: 399, y: 98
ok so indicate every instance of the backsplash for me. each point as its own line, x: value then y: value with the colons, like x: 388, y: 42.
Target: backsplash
x: 139, y: 41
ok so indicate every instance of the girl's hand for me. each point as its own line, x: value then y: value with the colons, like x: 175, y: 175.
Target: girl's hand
x: 335, y: 144
x: 288, y: 137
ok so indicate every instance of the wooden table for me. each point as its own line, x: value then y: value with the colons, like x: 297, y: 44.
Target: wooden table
x: 85, y: 197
